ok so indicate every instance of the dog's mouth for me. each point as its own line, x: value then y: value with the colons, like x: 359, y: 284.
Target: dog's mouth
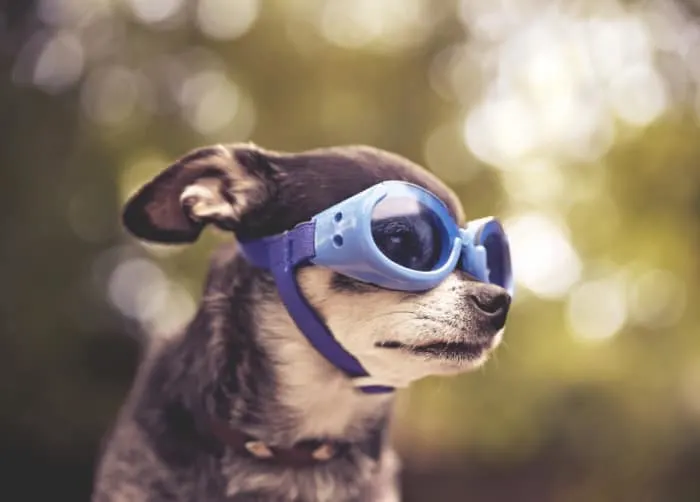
x: 465, y: 350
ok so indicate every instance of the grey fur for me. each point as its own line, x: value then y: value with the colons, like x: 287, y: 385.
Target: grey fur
x: 242, y: 359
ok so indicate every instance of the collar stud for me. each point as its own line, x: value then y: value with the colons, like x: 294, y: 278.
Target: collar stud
x: 258, y: 449
x: 324, y: 452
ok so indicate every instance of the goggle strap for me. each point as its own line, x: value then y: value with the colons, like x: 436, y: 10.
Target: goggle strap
x: 372, y: 385
x: 281, y: 255
x: 297, y: 247
x: 375, y: 389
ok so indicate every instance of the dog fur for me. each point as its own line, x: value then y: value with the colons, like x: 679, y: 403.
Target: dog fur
x: 242, y: 359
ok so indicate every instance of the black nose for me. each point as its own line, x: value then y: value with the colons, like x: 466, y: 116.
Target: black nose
x: 493, y: 302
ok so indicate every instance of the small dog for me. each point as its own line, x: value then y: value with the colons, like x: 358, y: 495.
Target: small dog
x: 240, y: 406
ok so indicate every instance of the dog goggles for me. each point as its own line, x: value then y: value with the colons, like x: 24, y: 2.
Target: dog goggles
x: 395, y: 235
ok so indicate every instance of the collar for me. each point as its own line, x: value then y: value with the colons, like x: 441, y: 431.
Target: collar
x: 303, y: 454
x: 282, y: 254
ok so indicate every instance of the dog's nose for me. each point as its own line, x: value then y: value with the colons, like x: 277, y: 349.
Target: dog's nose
x: 493, y: 302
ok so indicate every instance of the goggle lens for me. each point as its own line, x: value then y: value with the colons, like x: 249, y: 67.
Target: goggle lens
x: 412, y: 235
x: 498, y: 257
x: 486, y: 253
x: 408, y: 233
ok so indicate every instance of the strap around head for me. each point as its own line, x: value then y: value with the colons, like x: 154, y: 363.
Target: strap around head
x: 281, y: 254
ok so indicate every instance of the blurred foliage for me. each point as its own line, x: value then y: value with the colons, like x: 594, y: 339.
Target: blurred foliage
x: 575, y: 122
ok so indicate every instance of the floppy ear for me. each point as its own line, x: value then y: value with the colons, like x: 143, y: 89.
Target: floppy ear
x: 209, y: 185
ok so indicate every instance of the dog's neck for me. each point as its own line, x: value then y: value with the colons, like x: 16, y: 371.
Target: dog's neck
x: 280, y: 389
x: 324, y: 400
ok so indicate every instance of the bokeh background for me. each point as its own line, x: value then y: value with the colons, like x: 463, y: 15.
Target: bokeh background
x: 577, y: 122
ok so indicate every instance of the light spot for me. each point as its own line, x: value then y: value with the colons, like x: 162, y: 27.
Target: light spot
x: 491, y: 19
x: 53, y: 62
x: 538, y: 182
x: 140, y: 290
x: 210, y: 101
x: 446, y: 156
x: 638, y: 95
x: 389, y: 24
x: 617, y: 43
x: 227, y: 19
x: 556, y: 80
x: 598, y: 309
x: 138, y: 287
x: 110, y: 95
x: 690, y: 387
x: 155, y: 11
x: 501, y: 131
x: 66, y: 13
x: 544, y: 261
x: 657, y: 299
x: 177, y: 311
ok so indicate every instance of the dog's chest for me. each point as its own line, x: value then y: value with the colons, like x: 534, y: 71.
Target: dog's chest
x: 317, y: 416
x: 355, y: 480
x: 323, y: 402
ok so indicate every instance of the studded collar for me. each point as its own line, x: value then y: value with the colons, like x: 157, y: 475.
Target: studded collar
x: 302, y: 454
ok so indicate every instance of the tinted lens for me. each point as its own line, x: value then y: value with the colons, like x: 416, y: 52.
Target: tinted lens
x: 407, y: 232
x: 498, y: 258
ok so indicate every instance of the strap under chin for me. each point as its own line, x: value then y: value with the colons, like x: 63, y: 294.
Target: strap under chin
x: 281, y: 254
x: 371, y: 385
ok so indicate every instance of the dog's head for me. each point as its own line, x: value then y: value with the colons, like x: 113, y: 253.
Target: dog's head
x: 397, y: 336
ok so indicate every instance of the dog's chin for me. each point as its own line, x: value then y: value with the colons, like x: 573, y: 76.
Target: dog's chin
x: 448, y: 355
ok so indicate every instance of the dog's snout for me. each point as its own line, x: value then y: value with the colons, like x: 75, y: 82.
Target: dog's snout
x: 492, y: 302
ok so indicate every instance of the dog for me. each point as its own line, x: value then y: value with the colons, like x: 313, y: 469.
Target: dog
x: 239, y: 406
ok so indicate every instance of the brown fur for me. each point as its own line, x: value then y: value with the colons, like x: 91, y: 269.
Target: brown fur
x: 242, y: 358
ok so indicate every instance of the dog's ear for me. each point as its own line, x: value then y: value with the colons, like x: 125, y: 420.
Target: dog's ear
x: 210, y: 185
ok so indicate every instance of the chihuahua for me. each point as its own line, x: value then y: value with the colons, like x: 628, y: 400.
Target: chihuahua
x: 350, y: 276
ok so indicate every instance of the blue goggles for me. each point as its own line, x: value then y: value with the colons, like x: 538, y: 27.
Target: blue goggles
x: 395, y: 235
x: 400, y: 236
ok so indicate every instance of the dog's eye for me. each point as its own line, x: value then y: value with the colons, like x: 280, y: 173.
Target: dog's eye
x: 410, y: 238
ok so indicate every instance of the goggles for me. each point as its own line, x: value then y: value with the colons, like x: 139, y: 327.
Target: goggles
x: 395, y: 235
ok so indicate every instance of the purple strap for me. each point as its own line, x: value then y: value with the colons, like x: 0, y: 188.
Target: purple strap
x: 281, y: 254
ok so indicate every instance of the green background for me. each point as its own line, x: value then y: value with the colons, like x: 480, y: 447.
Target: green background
x: 595, y: 393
